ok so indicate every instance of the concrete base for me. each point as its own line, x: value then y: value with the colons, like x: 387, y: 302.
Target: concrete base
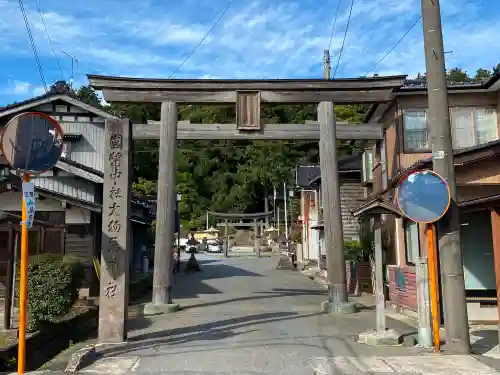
x: 154, y: 309
x: 343, y: 308
x: 285, y: 263
x: 388, y: 337
x: 425, y: 337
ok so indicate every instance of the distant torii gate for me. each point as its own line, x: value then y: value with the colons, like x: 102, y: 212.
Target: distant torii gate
x: 248, y: 96
x: 233, y: 216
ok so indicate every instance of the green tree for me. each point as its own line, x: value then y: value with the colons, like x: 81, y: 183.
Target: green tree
x: 144, y: 187
x: 229, y: 175
x: 87, y: 95
x: 482, y: 74
x: 457, y: 75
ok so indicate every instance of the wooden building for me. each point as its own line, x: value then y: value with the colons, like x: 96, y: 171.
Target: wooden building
x: 69, y: 197
x: 308, y: 179
x: 405, y: 146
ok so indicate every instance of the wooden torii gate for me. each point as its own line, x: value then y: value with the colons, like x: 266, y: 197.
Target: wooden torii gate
x: 248, y: 96
x: 234, y: 216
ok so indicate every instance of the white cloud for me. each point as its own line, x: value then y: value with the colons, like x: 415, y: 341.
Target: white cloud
x: 16, y: 88
x: 257, y: 39
x: 20, y: 87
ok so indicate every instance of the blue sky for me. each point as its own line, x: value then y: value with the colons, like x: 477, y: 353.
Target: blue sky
x: 255, y: 39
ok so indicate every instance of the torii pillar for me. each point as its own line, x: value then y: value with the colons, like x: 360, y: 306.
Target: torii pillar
x: 165, y: 215
x: 334, y: 239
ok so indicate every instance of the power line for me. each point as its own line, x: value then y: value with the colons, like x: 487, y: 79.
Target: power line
x: 48, y: 37
x: 343, y: 41
x: 395, y: 45
x: 33, y: 46
x: 372, y: 32
x: 334, y: 24
x: 201, y: 41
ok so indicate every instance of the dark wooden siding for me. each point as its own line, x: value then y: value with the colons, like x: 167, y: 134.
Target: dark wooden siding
x: 351, y: 196
x: 80, y: 245
x: 5, y: 253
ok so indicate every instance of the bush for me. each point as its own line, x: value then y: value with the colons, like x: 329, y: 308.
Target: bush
x: 358, y: 251
x: 353, y: 250
x: 297, y: 236
x: 53, y: 283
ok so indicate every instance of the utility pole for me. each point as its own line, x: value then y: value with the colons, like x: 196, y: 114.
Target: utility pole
x: 326, y: 64
x: 274, y: 205
x: 450, y: 254
x: 286, y: 211
x: 266, y: 206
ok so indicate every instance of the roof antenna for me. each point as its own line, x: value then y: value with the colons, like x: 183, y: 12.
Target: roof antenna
x: 73, y: 60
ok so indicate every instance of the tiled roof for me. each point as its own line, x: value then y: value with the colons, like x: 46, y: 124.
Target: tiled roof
x: 307, y: 174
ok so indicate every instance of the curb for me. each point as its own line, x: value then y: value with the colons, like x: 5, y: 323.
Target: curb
x: 316, y: 277
x: 81, y: 359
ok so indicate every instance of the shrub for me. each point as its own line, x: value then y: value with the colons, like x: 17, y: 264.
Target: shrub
x: 297, y: 236
x: 353, y: 250
x: 53, y: 283
x: 358, y: 251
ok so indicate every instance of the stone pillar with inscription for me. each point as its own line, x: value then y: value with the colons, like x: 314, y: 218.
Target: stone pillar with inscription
x: 113, y: 298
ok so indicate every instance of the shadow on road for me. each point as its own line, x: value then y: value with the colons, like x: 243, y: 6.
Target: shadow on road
x: 190, y: 285
x: 273, y: 293
x: 488, y: 340
x: 217, y: 330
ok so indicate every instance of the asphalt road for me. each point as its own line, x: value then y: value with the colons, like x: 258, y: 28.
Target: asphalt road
x: 242, y: 316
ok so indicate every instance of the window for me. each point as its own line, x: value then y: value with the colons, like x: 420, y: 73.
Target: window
x: 473, y: 126
x: 469, y: 127
x: 320, y: 197
x: 65, y: 150
x: 367, y: 166
x: 383, y: 163
x: 412, y: 242
x: 416, y: 134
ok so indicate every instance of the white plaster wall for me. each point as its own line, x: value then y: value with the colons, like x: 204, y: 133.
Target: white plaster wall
x: 11, y: 201
x: 314, y: 236
x: 77, y: 215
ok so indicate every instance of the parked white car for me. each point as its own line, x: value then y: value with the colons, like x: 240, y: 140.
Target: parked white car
x: 214, y: 247
x: 181, y: 243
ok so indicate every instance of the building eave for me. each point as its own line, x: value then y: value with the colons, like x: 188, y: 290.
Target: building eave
x: 490, y: 85
x: 376, y: 206
x: 26, y: 105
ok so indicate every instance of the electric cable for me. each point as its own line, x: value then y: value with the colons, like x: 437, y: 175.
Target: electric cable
x: 48, y: 38
x: 395, y: 45
x: 33, y: 46
x: 201, y: 41
x: 343, y: 41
